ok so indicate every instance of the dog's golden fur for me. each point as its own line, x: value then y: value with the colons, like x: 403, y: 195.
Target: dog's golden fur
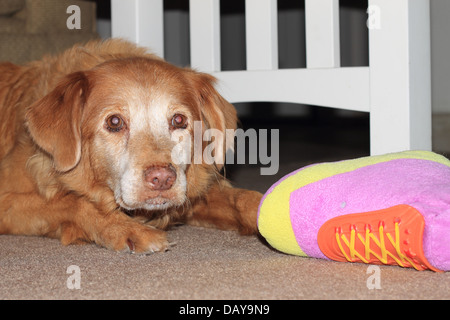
x: 63, y: 168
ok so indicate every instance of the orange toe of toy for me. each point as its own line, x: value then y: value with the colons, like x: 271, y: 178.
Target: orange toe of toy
x: 390, y: 236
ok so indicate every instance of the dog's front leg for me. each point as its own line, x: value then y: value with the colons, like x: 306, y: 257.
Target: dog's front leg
x: 74, y: 220
x: 227, y: 208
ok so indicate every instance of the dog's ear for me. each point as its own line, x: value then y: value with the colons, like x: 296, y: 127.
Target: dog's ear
x: 54, y: 122
x: 217, y: 113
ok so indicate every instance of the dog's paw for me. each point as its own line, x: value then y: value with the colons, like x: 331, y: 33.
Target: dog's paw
x: 147, y: 240
x: 135, y: 238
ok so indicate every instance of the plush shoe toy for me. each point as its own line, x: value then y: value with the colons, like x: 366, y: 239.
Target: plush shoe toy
x: 389, y: 209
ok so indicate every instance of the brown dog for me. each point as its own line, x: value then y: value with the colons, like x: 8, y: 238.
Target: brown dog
x: 86, y: 145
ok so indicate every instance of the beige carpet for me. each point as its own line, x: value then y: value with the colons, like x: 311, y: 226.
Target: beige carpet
x: 205, y: 264
x: 212, y: 264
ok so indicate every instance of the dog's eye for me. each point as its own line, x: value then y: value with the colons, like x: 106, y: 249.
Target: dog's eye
x: 179, y: 121
x: 114, y: 123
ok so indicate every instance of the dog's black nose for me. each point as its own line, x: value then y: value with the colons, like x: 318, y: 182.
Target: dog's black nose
x: 160, y: 177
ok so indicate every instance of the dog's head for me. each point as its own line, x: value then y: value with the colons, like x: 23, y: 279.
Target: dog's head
x: 122, y: 124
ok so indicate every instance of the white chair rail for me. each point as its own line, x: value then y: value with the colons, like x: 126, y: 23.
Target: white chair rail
x: 395, y: 89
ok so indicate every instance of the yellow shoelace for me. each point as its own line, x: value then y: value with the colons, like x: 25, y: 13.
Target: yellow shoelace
x: 395, y: 241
